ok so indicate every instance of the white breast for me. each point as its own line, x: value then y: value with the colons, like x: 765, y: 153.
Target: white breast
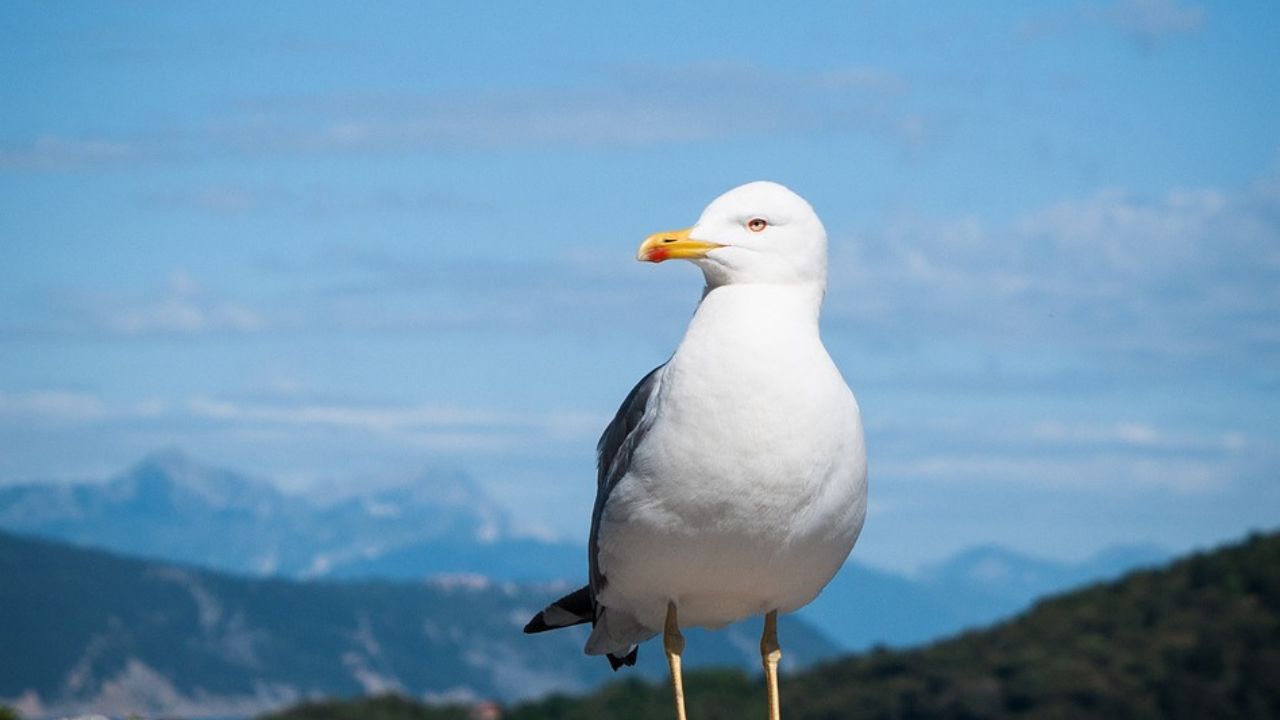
x: 749, y: 489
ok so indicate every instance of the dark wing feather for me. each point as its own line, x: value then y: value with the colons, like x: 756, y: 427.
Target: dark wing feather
x: 613, y: 457
x: 573, y: 609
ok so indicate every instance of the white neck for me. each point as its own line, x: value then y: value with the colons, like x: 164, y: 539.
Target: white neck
x: 751, y: 307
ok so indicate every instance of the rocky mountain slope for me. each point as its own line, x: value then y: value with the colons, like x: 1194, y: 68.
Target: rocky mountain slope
x: 84, y: 630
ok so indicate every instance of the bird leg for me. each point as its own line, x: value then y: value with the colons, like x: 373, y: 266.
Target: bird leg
x: 770, y: 654
x: 673, y: 642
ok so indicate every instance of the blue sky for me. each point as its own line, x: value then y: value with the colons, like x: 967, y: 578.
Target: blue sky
x: 326, y: 242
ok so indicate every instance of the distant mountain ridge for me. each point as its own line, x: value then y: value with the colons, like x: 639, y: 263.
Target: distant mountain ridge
x: 91, y: 631
x: 170, y: 507
x: 864, y: 607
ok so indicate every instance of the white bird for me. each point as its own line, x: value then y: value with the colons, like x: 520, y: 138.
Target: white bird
x: 733, y: 480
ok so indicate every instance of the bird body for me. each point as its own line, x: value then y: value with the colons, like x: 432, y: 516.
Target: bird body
x: 733, y: 479
x: 748, y: 512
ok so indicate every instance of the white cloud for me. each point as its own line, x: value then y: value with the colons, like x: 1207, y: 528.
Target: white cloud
x: 441, y: 428
x: 635, y: 106
x: 1098, y: 475
x: 1090, y: 457
x: 182, y: 310
x: 218, y: 199
x: 1076, y: 437
x: 72, y: 407
x: 414, y: 427
x: 1190, y: 276
x: 181, y: 307
x: 1149, y: 23
x: 1188, y: 477
x: 226, y: 200
x: 1153, y: 21
x: 374, y: 418
x: 54, y: 152
x: 56, y: 405
x: 1136, y: 436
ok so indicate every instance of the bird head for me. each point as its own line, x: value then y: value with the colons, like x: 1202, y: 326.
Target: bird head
x: 760, y: 232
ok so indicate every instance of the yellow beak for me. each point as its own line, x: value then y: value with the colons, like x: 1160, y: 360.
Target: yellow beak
x: 675, y: 244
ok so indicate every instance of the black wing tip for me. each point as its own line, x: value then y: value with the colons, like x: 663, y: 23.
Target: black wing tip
x: 629, y: 659
x: 536, y: 625
x: 573, y: 609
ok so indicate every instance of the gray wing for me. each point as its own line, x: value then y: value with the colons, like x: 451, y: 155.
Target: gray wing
x: 613, y: 458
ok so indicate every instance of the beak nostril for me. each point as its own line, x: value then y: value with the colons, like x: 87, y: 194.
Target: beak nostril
x: 669, y: 240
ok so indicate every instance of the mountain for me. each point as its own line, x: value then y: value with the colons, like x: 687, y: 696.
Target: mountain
x: 864, y: 607
x: 170, y: 507
x: 165, y: 505
x: 997, y: 574
x: 84, y: 630
x: 1197, y: 639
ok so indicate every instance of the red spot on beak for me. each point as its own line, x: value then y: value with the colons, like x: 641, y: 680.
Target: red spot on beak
x: 658, y: 254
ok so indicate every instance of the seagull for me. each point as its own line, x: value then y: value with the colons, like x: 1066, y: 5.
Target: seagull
x: 733, y: 480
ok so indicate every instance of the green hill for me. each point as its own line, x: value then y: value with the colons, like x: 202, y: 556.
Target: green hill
x: 1199, y: 639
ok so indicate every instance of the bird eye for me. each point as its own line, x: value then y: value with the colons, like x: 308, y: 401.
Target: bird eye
x: 757, y: 224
